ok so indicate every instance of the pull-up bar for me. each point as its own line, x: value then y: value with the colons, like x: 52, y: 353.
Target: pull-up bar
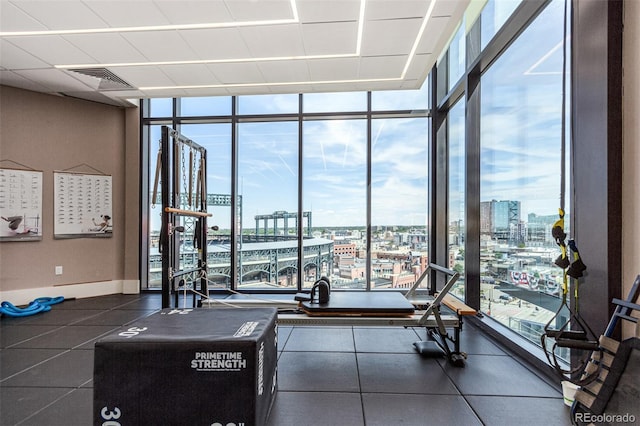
x: 184, y: 140
x: 187, y: 212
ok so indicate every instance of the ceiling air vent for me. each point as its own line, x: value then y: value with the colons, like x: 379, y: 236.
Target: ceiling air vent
x: 108, y: 80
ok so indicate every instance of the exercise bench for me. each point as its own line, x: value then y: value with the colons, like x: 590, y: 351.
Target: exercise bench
x: 436, y: 312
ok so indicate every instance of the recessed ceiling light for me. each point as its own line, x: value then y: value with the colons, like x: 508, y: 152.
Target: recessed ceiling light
x: 288, y: 83
x: 206, y: 61
x: 210, y: 25
x: 293, y: 19
x: 237, y: 60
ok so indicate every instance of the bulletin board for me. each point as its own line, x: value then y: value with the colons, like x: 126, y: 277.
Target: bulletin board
x: 20, y: 205
x: 82, y: 205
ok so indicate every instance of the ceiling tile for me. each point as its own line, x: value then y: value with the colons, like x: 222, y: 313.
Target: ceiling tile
x: 390, y: 37
x: 14, y: 79
x: 61, y: 14
x: 160, y: 45
x: 334, y: 38
x: 55, y: 80
x: 382, y: 66
x: 412, y: 84
x: 12, y: 57
x: 273, y: 40
x: 12, y: 18
x: 190, y: 74
x: 429, y: 43
x: 328, y: 10
x: 52, y: 49
x: 326, y: 27
x: 106, y: 48
x: 289, y: 71
x: 252, y: 10
x: 450, y: 8
x: 219, y: 43
x: 194, y: 11
x: 139, y: 76
x: 420, y: 66
x: 239, y: 73
x: 333, y: 69
x: 395, y: 9
x: 118, y: 13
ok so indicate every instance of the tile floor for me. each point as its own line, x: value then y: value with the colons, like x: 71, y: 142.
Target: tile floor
x: 326, y: 375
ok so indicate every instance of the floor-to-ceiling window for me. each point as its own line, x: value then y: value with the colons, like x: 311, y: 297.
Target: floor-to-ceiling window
x: 268, y: 188
x: 494, y: 14
x: 216, y: 138
x: 398, y: 211
x: 456, y: 194
x: 335, y: 172
x: 356, y: 161
x: 340, y: 176
x: 154, y: 209
x: 505, y: 106
x: 521, y: 132
x: 456, y: 55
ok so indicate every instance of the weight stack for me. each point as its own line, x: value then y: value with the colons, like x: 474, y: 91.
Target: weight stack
x: 188, y: 367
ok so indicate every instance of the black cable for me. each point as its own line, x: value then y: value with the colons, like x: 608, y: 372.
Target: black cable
x: 564, y: 102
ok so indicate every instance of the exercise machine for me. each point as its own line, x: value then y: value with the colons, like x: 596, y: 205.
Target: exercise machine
x: 181, y: 175
x: 440, y: 313
x: 615, y: 388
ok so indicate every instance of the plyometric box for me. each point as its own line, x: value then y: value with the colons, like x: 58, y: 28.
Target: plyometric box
x: 188, y: 367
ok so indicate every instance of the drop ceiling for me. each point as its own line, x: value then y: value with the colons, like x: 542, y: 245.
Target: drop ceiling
x: 111, y: 51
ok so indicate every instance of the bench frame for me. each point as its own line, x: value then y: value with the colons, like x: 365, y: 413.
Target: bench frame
x: 428, y: 313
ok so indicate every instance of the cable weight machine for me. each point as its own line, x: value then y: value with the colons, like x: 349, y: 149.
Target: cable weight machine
x: 181, y: 173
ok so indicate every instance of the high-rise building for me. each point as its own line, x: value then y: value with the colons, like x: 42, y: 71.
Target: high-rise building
x: 498, y: 217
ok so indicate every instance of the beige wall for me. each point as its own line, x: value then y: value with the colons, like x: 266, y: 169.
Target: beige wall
x: 50, y: 133
x: 631, y: 152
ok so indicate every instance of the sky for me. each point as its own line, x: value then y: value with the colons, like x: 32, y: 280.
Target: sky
x: 334, y: 161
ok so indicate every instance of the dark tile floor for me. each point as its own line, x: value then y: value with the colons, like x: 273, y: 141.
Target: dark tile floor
x: 326, y: 375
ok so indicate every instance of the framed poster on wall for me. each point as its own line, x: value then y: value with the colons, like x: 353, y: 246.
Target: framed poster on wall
x: 82, y: 205
x: 20, y: 205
